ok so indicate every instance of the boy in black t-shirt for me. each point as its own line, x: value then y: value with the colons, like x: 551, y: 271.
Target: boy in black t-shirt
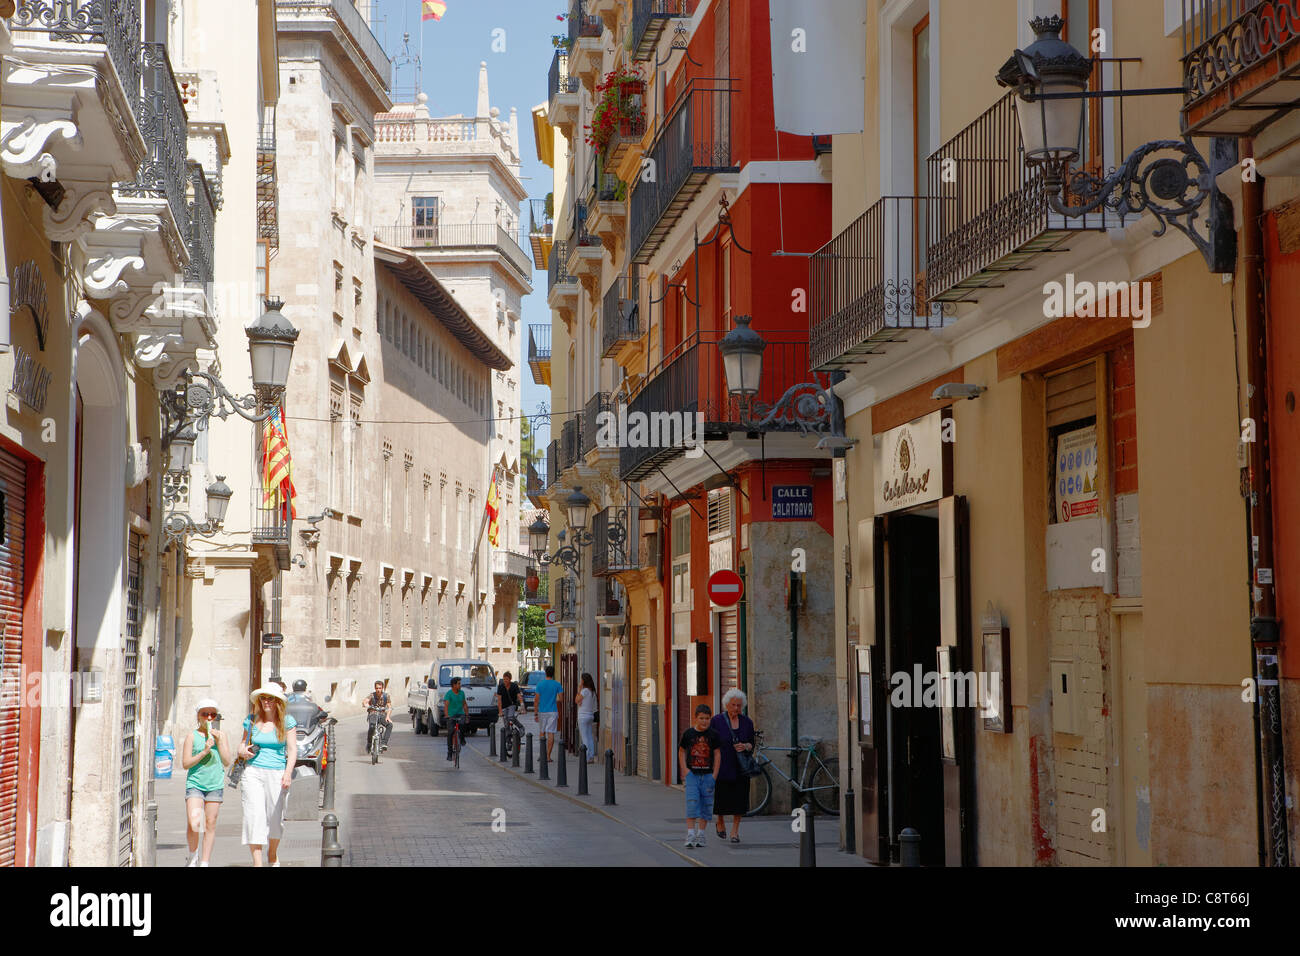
x: 700, y: 755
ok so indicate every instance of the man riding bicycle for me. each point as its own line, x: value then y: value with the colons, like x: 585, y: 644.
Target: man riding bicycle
x: 453, y: 708
x: 507, y: 698
x: 380, y: 704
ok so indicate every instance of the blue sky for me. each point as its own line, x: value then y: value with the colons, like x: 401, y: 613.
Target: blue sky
x: 450, y: 51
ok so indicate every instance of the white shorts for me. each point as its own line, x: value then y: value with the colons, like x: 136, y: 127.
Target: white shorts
x: 546, y: 723
x: 264, y: 802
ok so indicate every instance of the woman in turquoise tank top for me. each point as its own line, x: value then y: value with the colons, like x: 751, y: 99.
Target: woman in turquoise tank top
x: 205, y: 759
x: 270, y: 747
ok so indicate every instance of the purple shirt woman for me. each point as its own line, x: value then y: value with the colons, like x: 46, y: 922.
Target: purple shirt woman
x: 731, y: 798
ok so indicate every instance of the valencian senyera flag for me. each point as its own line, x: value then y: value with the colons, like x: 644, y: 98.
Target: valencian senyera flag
x: 277, y: 467
x: 493, y: 512
x: 432, y: 9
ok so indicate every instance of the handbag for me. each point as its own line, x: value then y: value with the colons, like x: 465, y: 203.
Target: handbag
x: 237, y: 768
x: 749, y: 767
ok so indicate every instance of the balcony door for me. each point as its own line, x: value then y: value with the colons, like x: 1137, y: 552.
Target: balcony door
x: 922, y: 145
x: 424, y: 219
x: 1082, y: 18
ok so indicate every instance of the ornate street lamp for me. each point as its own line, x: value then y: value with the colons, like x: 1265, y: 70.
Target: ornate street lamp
x: 270, y: 351
x: 177, y: 524
x: 806, y: 405
x: 579, y: 505
x: 180, y: 451
x: 1168, y: 178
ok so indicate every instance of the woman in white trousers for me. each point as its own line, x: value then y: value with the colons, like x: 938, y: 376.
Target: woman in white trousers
x: 270, y: 747
x: 587, y: 703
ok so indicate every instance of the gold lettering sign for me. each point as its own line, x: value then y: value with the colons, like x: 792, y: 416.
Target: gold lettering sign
x: 27, y: 291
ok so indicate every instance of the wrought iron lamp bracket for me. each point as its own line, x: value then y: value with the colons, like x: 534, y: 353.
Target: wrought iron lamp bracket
x: 806, y: 405
x: 178, y: 526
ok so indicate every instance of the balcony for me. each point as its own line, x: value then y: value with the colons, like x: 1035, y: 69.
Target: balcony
x: 272, y: 527
x: 650, y: 19
x: 693, y: 144
x: 585, y: 248
x: 868, y: 285
x: 591, y: 426
x: 201, y: 217
x: 534, y: 486
x: 458, y: 237
x: 539, y: 353
x: 540, y: 595
x: 1241, y: 65
x: 562, y: 94
x: 611, y: 610
x: 268, y: 193
x: 541, y: 232
x: 691, y: 381
x: 616, y: 536
x: 552, y: 464
x: 570, y: 442
x: 509, y: 565
x: 631, y: 126
x: 606, y: 205
x: 584, y: 41
x: 994, y: 218
x: 566, y: 602
x: 620, y: 321
x: 344, y: 19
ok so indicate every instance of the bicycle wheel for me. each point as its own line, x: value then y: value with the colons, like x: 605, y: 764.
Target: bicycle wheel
x: 824, y: 788
x: 760, y: 793
x: 455, y: 748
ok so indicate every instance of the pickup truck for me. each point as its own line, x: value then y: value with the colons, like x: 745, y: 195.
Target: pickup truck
x: 477, y: 679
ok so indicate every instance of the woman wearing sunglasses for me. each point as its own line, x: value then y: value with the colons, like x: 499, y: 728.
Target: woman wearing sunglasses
x: 270, y: 747
x: 205, y: 759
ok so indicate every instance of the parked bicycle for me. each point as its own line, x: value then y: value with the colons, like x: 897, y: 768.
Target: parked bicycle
x: 816, y: 777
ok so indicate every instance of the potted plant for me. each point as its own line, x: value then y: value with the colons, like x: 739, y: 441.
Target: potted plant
x: 619, y: 108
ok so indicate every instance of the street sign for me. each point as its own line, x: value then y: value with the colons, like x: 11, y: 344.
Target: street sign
x: 552, y: 635
x: 552, y: 617
x: 725, y: 588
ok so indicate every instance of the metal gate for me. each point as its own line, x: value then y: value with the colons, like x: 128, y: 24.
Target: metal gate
x: 642, y: 708
x: 13, y: 491
x: 729, y: 645
x: 618, y: 706
x: 130, y: 704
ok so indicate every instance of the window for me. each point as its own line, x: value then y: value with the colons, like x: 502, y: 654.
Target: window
x: 1084, y: 16
x: 719, y: 514
x: 333, y: 613
x: 1072, y: 467
x: 407, y: 464
x: 442, y: 508
x: 354, y: 455
x: 386, y: 609
x: 338, y: 446
x: 424, y: 218
x: 387, y: 485
x: 460, y: 518
x: 922, y: 145
x: 338, y: 287
x: 354, y: 609
x: 428, y: 516
x: 356, y: 301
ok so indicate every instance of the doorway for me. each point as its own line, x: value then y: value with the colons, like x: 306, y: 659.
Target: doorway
x: 681, y: 709
x: 916, y: 784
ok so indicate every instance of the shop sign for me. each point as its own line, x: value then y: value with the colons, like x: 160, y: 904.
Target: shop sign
x: 912, y: 464
x: 1076, y: 473
x: 31, y: 380
x: 27, y: 294
x: 792, y: 502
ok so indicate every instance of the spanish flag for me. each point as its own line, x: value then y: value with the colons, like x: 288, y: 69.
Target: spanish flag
x: 493, y: 512
x: 277, y: 467
x: 432, y: 10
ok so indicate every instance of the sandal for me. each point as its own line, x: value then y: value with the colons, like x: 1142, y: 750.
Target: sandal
x: 735, y: 839
x: 722, y: 833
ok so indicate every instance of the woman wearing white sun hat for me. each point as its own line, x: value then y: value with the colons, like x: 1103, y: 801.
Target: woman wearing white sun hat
x: 205, y: 780
x: 271, y: 749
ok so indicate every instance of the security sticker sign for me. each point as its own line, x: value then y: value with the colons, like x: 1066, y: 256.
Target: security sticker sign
x: 1076, y: 473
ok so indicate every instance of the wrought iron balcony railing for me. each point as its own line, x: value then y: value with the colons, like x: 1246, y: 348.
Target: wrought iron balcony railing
x: 271, y: 525
x: 602, y: 186
x: 268, y: 193
x: 868, y: 284
x: 693, y: 144
x: 566, y: 600
x: 616, y: 537
x: 619, y: 315
x: 534, y: 486
x: 988, y: 211
x: 166, y: 130
x: 455, y: 236
x: 552, y: 464
x: 541, y: 232
x: 610, y: 597
x: 690, y: 382
x: 202, y: 216
x: 650, y: 17
x: 583, y: 25
x: 591, y: 421
x: 354, y: 25
x: 578, y: 234
x: 570, y: 441
x: 539, y: 353
x: 559, y: 82
x: 1225, y: 40
x: 541, y: 594
x: 557, y: 271
x: 114, y: 23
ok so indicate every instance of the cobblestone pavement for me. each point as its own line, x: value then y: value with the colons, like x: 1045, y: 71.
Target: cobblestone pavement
x: 414, y: 809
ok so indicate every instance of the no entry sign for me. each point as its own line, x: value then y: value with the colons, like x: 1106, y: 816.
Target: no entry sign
x: 725, y: 588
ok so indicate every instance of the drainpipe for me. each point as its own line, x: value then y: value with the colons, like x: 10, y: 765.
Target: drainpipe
x: 1265, y: 629
x: 795, y: 579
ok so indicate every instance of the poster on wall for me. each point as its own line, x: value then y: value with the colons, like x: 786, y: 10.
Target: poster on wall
x: 1076, y: 474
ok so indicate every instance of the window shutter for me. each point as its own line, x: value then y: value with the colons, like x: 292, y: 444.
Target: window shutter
x: 1072, y: 395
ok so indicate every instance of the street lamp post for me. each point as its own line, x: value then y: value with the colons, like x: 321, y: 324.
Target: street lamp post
x: 806, y: 405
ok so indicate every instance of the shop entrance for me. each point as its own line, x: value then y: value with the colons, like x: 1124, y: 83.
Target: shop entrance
x: 915, y: 766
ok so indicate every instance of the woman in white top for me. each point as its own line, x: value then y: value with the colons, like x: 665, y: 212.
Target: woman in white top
x: 587, y: 703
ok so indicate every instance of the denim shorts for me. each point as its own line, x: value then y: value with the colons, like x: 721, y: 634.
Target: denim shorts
x: 699, y: 795
x: 209, y: 796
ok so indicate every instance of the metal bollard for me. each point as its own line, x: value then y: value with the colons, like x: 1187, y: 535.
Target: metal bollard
x: 332, y: 764
x: 582, y: 771
x: 519, y: 745
x: 609, y: 778
x: 528, y: 757
x: 504, y: 758
x: 850, y: 820
x: 808, y: 839
x: 542, y: 771
x: 331, y: 851
x: 492, y: 742
x: 909, y: 847
x: 562, y: 768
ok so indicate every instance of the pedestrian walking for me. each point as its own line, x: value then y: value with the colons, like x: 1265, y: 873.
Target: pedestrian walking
x: 699, y: 754
x: 736, y: 731
x: 270, y: 748
x: 205, y: 759
x: 588, y: 703
x: 547, y: 706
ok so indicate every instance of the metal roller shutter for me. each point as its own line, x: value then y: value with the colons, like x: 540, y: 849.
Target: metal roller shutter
x: 130, y: 703
x: 642, y: 708
x: 13, y: 490
x: 729, y: 627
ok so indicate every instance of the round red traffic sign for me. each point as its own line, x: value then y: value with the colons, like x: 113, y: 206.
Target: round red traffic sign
x: 725, y: 588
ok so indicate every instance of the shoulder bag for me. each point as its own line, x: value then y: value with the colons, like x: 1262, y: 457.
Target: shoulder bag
x: 237, y: 768
x: 749, y: 767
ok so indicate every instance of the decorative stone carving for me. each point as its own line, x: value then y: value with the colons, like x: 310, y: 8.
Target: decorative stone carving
x: 23, y: 146
x: 75, y: 217
x: 103, y: 275
x: 167, y: 354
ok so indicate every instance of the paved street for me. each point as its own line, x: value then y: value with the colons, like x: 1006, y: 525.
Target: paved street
x: 415, y: 809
